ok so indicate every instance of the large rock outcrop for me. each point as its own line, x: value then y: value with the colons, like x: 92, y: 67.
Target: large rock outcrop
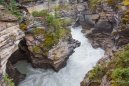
x: 46, y: 46
x: 110, y: 32
x: 10, y: 36
x: 98, y: 25
x: 56, y: 57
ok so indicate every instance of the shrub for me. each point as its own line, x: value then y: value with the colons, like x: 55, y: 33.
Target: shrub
x: 40, y: 13
x: 36, y: 14
x: 15, y: 10
x: 23, y: 27
x: 95, y: 71
x: 8, y: 80
x: 126, y: 2
x: 2, y: 2
x: 56, y: 29
x: 93, y: 3
x: 113, y: 2
x: 121, y: 74
x: 38, y: 31
x: 37, y: 49
x: 92, y: 75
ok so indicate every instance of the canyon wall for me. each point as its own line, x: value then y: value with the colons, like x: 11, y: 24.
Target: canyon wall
x: 10, y: 36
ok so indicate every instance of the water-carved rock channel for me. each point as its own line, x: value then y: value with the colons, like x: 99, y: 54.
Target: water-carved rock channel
x: 79, y: 63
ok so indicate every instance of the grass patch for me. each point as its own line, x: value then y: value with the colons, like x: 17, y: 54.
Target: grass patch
x: 56, y: 28
x: 117, y: 70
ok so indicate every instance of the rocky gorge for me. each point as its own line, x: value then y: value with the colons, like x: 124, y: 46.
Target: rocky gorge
x: 41, y: 40
x: 36, y: 44
x: 104, y: 27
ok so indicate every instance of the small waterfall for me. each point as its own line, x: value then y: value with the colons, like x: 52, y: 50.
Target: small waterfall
x: 79, y: 63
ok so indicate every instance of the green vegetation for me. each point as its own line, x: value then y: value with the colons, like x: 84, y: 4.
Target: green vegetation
x: 126, y: 2
x: 2, y: 2
x: 38, y: 31
x: 37, y: 49
x: 64, y: 7
x: 40, y: 13
x: 117, y: 70
x: 113, y: 3
x: 8, y: 80
x: 92, y: 75
x: 56, y: 28
x: 94, y: 3
x: 95, y: 71
x: 121, y: 74
x: 14, y: 8
x: 23, y: 27
x: 125, y: 20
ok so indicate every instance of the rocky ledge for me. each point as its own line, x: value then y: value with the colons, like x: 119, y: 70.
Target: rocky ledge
x: 44, y: 43
x: 105, y: 27
x: 48, y: 42
x: 10, y: 36
x: 57, y: 55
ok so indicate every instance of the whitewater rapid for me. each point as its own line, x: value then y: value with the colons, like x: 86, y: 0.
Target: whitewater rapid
x: 79, y: 63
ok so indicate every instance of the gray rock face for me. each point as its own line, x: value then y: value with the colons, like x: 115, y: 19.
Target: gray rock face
x: 85, y: 21
x: 56, y: 57
x: 10, y: 36
x: 107, y: 34
x: 98, y: 26
x: 103, y: 26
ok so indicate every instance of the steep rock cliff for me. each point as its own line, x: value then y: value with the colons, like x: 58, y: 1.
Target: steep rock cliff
x: 110, y: 32
x: 10, y: 36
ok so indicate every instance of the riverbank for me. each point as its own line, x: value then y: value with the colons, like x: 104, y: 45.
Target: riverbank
x: 48, y: 42
x: 81, y: 61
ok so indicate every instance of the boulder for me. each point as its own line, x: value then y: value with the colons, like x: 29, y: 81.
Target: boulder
x: 57, y: 55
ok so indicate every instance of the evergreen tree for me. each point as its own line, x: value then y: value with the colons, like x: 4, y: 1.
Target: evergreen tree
x: 15, y: 9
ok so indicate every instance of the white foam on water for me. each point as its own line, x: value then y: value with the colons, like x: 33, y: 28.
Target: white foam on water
x: 79, y: 63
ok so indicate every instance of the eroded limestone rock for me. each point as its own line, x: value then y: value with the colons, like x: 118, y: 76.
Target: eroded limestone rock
x: 10, y: 36
x: 57, y: 55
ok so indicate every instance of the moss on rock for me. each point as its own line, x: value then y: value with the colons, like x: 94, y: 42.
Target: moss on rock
x: 37, y: 49
x: 116, y: 70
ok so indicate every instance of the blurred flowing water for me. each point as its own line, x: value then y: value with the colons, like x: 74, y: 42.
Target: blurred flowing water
x: 79, y: 63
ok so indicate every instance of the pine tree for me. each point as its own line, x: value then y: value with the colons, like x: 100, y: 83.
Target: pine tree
x: 15, y: 9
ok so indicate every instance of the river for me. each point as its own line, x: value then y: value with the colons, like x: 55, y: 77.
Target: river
x: 79, y: 63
